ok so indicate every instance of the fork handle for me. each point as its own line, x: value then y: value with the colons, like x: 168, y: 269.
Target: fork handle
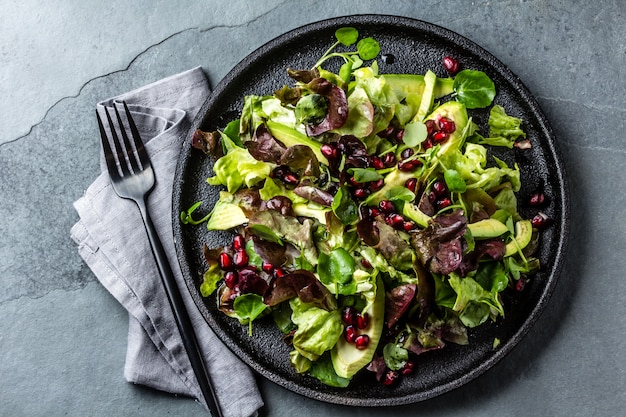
x: 188, y: 335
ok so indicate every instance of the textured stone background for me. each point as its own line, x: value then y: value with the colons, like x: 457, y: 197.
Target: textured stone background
x: 63, y: 337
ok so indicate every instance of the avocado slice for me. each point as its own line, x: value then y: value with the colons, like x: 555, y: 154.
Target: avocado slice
x: 523, y: 235
x: 405, y: 84
x: 428, y: 97
x: 346, y: 358
x: 488, y: 228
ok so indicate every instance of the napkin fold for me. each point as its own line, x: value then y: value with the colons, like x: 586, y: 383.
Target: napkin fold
x: 112, y: 240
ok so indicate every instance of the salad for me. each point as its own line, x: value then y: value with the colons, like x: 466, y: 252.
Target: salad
x: 370, y: 220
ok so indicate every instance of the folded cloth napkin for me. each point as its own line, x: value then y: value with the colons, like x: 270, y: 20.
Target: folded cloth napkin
x: 113, y: 242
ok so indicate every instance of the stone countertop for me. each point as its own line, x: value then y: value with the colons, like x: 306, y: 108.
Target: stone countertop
x: 63, y: 337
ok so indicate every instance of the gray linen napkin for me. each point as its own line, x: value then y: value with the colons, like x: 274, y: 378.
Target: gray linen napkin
x: 112, y: 241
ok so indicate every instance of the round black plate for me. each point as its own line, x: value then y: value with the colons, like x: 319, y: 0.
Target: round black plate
x: 416, y: 46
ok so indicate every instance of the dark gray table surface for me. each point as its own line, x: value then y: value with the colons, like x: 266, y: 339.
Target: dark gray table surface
x: 63, y: 337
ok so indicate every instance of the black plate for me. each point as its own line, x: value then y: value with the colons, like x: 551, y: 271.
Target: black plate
x: 416, y: 46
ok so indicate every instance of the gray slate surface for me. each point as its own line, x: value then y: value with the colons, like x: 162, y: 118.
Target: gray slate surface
x: 63, y: 337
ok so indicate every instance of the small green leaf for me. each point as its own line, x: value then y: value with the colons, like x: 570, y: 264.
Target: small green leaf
x: 248, y: 307
x: 362, y: 175
x: 266, y: 233
x: 395, y: 356
x: 344, y: 207
x: 474, y: 89
x: 414, y: 133
x: 347, y: 35
x: 368, y: 48
x: 454, y: 181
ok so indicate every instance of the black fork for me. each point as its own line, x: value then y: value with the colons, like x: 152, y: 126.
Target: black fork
x: 132, y: 177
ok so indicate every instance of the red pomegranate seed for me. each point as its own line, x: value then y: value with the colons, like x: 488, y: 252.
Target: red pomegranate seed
x: 374, y: 212
x: 366, y: 264
x: 279, y: 272
x: 362, y: 320
x: 410, y: 165
x: 328, y: 151
x: 537, y: 199
x: 239, y: 242
x: 447, y: 125
x: 389, y: 159
x: 267, y: 267
x: 230, y: 279
x: 395, y: 221
x: 411, y: 184
x: 440, y: 188
x: 361, y: 193
x: 350, y: 334
x: 390, y: 377
x: 408, y: 368
x: 225, y: 261
x: 541, y: 220
x: 407, y: 153
x: 431, y: 127
x: 290, y: 179
x: 520, y: 284
x: 400, y: 135
x: 443, y: 203
x: 408, y: 226
x: 386, y: 206
x: 432, y: 197
x: 240, y: 259
x: 362, y: 341
x: 377, y: 163
x: 348, y: 315
x: 387, y: 133
x: 451, y: 65
x: 440, y: 136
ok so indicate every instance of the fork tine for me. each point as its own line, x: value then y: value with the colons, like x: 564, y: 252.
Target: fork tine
x: 118, y: 147
x: 106, y: 147
x: 141, y: 150
x: 132, y: 159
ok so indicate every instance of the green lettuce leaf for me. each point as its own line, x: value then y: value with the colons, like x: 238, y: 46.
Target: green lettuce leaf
x: 318, y: 329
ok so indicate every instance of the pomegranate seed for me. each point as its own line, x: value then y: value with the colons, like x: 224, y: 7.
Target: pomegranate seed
x: 389, y: 159
x: 225, y: 261
x: 520, y: 284
x: 390, y: 377
x: 407, y: 153
x: 541, y: 220
x: 440, y: 188
x: 537, y: 199
x: 443, y: 203
x: 386, y: 206
x: 395, y: 221
x: 447, y: 125
x: 230, y: 279
x: 432, y: 197
x: 290, y: 179
x: 428, y: 143
x: 408, y: 368
x: 240, y: 259
x: 348, y: 316
x: 408, y: 225
x: 366, y: 264
x: 377, y: 185
x: 410, y: 165
x: 350, y: 334
x: 267, y: 267
x: 239, y: 242
x: 387, y: 133
x: 362, y: 320
x: 400, y: 135
x: 451, y: 65
x: 361, y: 193
x: 352, y: 181
x: 362, y: 341
x: 377, y: 163
x: 279, y: 272
x: 328, y: 151
x: 431, y: 127
x: 411, y: 184
x: 440, y: 136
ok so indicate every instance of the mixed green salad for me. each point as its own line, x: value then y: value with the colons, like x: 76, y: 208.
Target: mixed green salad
x: 370, y: 220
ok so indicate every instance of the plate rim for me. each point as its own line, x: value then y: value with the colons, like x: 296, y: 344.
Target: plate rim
x: 547, y: 133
